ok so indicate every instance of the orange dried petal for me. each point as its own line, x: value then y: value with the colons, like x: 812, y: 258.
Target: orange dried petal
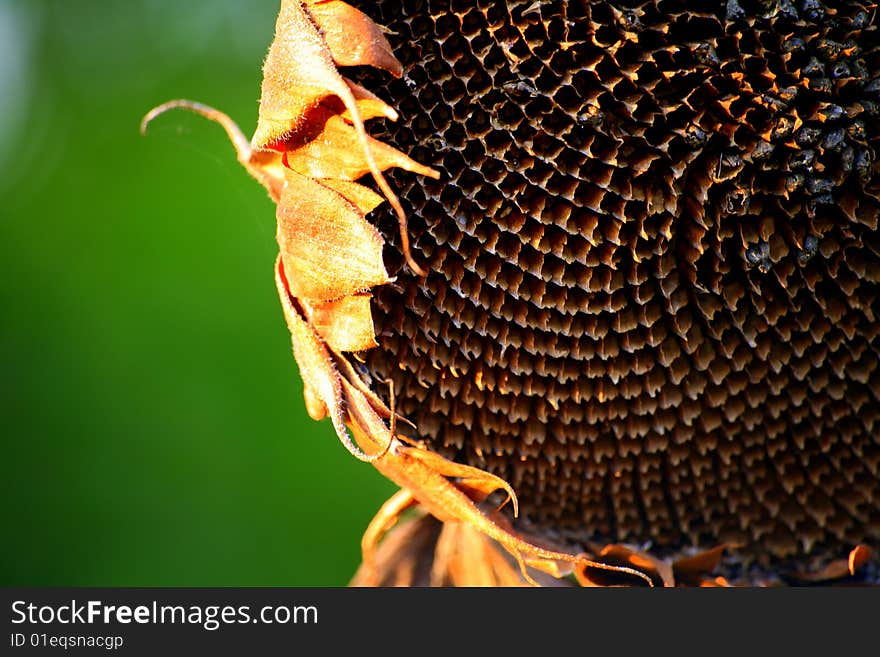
x: 345, y: 324
x: 858, y: 557
x: 267, y: 168
x: 466, y: 476
x: 642, y: 561
x: 403, y: 557
x: 299, y: 71
x: 336, y: 152
x: 363, y: 198
x: 315, y: 406
x: 369, y: 104
x: 465, y: 557
x: 838, y: 568
x: 695, y: 566
x: 387, y: 516
x: 352, y: 36
x: 328, y: 248
x: 315, y: 365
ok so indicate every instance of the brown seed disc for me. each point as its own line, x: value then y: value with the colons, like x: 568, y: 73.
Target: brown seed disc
x: 654, y: 261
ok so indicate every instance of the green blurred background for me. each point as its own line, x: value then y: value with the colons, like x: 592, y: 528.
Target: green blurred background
x: 153, y: 427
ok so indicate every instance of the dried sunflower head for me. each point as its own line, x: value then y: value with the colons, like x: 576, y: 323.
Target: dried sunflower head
x: 641, y: 289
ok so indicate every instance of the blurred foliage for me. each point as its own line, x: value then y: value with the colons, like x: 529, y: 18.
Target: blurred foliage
x: 153, y: 426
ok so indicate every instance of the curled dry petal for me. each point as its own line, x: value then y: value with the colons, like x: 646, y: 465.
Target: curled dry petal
x: 336, y: 153
x: 363, y: 198
x: 345, y: 324
x: 473, y: 479
x: 369, y: 105
x: 465, y: 557
x: 657, y: 569
x: 387, y: 516
x: 315, y: 366
x: 353, y: 38
x: 298, y: 73
x: 404, y: 557
x: 328, y: 249
x: 857, y: 558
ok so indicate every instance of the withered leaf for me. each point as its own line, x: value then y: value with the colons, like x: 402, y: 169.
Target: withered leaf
x: 311, y: 356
